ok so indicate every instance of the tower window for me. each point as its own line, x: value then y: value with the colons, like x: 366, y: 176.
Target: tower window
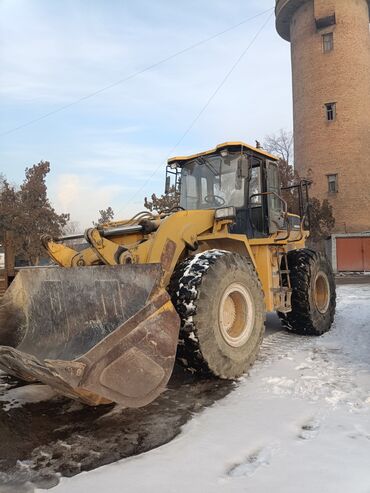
x: 327, y: 42
x: 332, y: 183
x: 331, y: 111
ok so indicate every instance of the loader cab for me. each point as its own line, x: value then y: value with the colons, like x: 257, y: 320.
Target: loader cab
x: 233, y: 175
x: 264, y: 212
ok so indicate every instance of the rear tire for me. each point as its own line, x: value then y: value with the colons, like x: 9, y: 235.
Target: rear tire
x: 313, y: 296
x: 221, y: 305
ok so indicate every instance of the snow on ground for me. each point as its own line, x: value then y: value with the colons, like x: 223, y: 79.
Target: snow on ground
x: 300, y: 422
x: 22, y: 395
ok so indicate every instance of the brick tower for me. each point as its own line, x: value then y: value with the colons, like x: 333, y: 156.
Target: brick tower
x: 330, y: 46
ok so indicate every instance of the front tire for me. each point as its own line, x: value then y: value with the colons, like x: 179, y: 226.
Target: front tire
x: 221, y: 305
x: 313, y: 295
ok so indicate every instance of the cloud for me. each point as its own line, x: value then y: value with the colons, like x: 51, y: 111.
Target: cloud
x: 122, y: 158
x: 104, y: 150
x: 83, y: 197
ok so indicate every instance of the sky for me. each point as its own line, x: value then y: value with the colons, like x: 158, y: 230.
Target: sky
x: 111, y: 149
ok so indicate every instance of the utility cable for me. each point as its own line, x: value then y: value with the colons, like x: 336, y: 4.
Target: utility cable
x: 204, y: 108
x: 132, y: 75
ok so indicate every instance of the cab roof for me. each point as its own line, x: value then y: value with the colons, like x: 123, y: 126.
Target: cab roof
x: 242, y: 146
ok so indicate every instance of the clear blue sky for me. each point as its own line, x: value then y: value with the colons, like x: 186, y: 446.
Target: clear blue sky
x: 53, y: 52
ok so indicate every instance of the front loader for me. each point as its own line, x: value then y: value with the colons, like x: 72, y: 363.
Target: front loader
x: 104, y: 324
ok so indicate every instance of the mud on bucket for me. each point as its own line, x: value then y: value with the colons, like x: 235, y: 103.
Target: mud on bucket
x: 98, y: 334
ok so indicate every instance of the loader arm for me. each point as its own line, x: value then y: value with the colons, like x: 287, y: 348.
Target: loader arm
x: 174, y: 234
x: 175, y: 237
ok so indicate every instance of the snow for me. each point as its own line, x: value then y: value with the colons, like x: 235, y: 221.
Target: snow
x: 299, y: 422
x: 195, y: 269
x: 29, y: 393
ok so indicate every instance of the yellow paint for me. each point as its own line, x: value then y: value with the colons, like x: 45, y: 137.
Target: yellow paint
x: 190, y: 232
x: 243, y: 146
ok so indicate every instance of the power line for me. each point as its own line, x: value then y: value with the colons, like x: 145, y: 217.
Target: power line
x: 132, y: 76
x: 204, y: 108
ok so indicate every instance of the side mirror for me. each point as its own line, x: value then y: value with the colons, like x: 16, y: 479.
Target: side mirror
x: 167, y: 187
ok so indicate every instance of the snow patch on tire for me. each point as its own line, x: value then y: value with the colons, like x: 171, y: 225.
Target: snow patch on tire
x: 188, y: 282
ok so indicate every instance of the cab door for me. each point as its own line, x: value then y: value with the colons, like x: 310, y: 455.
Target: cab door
x: 276, y: 212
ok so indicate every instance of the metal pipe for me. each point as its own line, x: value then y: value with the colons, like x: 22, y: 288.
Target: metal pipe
x: 70, y: 237
x: 120, y: 230
x: 107, y: 232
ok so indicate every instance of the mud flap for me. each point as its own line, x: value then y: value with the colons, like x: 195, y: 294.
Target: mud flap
x: 98, y: 334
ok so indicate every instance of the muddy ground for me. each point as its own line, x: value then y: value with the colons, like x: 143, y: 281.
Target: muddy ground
x: 40, y: 441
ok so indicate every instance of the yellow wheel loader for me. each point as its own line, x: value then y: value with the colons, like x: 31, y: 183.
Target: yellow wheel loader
x: 104, y: 324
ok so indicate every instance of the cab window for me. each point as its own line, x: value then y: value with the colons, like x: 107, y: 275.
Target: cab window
x: 255, y: 187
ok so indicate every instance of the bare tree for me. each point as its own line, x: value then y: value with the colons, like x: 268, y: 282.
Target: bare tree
x: 106, y: 215
x: 38, y: 216
x: 322, y: 219
x: 71, y: 228
x: 280, y: 144
x: 163, y: 202
x: 27, y: 213
x: 321, y: 212
x: 2, y: 181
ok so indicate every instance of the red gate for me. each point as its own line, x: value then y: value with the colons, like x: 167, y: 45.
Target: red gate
x: 353, y: 254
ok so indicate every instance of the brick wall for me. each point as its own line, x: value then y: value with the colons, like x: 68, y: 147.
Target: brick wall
x: 342, y: 76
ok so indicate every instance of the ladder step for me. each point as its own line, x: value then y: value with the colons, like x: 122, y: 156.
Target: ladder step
x: 281, y: 290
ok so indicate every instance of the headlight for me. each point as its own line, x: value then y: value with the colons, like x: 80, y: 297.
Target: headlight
x: 225, y: 213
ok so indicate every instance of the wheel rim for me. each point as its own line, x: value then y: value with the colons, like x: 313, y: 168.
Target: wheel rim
x: 236, y: 315
x: 322, y: 292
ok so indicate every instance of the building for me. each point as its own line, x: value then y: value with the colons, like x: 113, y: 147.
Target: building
x: 330, y: 50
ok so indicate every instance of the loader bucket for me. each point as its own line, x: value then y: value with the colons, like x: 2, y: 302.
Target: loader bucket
x: 97, y: 334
